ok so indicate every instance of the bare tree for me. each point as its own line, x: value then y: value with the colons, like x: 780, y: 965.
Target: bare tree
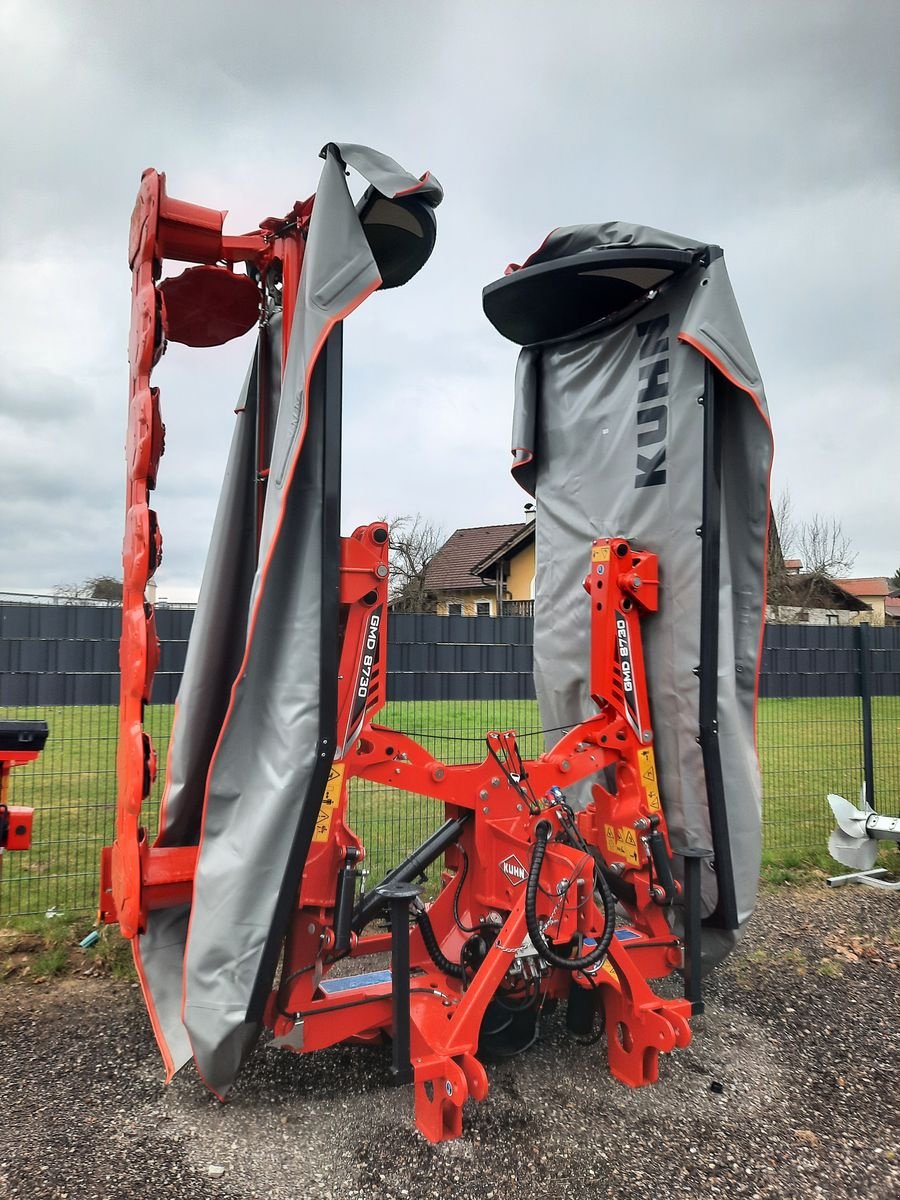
x: 104, y: 587
x: 782, y: 543
x: 824, y: 547
x: 69, y: 591
x: 98, y: 587
x: 414, y: 541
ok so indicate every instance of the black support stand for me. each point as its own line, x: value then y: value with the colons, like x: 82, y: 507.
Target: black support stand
x: 692, y: 931
x: 399, y: 895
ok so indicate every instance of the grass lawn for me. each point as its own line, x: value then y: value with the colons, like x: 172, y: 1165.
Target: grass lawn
x: 807, y: 748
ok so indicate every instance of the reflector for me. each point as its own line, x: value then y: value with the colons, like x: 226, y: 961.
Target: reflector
x: 206, y: 306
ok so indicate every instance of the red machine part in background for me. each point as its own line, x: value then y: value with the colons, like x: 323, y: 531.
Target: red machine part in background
x: 20, y: 742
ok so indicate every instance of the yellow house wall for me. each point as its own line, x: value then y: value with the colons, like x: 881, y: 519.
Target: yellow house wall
x: 876, y: 616
x: 468, y: 600
x: 520, y: 581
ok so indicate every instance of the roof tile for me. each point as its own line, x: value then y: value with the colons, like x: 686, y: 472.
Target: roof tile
x: 872, y: 586
x: 451, y: 567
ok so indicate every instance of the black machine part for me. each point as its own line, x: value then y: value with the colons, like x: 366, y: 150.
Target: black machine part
x: 22, y: 735
x: 572, y: 295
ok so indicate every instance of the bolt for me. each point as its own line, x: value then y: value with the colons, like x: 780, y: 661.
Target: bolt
x: 311, y: 927
x: 519, y: 807
x: 647, y: 735
x: 437, y: 774
x: 636, y: 583
x: 565, y: 765
x: 483, y: 794
x: 642, y: 823
x: 381, y: 571
x: 495, y: 782
x: 485, y: 810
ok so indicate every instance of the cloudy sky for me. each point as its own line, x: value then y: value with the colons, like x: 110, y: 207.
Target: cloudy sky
x: 767, y: 127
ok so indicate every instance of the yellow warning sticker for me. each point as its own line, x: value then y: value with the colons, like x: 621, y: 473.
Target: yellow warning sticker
x: 622, y: 843
x: 329, y: 803
x: 600, y: 554
x: 647, y: 766
x: 626, y: 845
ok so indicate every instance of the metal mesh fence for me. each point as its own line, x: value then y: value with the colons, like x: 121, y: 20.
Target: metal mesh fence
x: 72, y: 788
x: 807, y: 747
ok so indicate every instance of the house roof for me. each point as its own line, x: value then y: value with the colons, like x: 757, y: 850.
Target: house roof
x: 452, y: 568
x: 872, y: 586
x: 817, y: 591
x: 793, y: 564
x: 892, y: 606
x: 523, y: 535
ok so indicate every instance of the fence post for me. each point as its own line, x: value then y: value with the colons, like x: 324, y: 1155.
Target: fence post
x: 865, y: 691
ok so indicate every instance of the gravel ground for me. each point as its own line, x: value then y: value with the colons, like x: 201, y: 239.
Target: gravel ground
x: 790, y: 1089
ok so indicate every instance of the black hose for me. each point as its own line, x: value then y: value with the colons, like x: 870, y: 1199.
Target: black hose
x: 436, y: 954
x: 459, y: 886
x: 540, y: 943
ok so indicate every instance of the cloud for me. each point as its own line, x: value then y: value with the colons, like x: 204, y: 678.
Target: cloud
x: 769, y: 128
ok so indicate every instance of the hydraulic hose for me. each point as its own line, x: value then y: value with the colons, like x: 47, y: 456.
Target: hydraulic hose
x: 540, y: 943
x: 436, y: 954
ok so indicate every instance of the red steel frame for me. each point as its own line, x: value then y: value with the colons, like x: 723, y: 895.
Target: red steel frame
x: 505, y: 799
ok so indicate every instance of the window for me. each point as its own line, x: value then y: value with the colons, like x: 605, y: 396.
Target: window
x: 454, y: 610
x: 483, y: 608
x: 832, y: 618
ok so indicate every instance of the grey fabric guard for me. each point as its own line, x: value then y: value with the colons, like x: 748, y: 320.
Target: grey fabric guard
x: 575, y: 442
x: 254, y: 764
x: 214, y: 654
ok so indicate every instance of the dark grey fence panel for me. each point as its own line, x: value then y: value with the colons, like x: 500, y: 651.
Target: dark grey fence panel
x: 820, y: 661
x: 57, y: 654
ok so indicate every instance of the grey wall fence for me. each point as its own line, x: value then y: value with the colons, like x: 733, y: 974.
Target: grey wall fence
x: 61, y: 654
x: 828, y: 720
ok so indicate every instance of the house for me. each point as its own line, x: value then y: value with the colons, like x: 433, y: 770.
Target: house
x: 487, y: 570
x: 811, y: 599
x: 875, y: 592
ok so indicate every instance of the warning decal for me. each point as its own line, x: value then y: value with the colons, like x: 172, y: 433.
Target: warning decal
x: 600, y: 554
x: 647, y: 767
x: 622, y: 842
x: 329, y: 803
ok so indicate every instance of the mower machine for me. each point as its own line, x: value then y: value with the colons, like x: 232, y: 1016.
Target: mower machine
x: 552, y: 878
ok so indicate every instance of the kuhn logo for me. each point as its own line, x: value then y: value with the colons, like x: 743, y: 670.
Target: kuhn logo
x: 513, y: 870
x: 653, y: 401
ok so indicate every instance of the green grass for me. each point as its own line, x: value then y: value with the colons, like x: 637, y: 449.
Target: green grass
x: 807, y: 748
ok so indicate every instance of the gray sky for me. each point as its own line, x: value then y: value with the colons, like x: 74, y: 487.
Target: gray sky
x: 769, y: 128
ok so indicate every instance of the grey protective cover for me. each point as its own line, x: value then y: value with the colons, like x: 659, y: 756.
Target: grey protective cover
x: 592, y: 414
x: 245, y: 739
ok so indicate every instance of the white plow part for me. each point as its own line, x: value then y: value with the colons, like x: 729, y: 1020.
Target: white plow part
x: 855, y: 840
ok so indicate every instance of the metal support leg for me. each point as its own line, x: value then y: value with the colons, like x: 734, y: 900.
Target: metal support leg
x: 399, y: 896
x: 692, y: 930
